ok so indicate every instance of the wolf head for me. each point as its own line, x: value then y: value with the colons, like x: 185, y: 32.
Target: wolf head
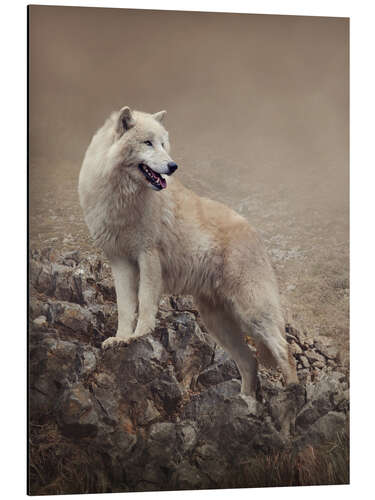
x: 141, y: 147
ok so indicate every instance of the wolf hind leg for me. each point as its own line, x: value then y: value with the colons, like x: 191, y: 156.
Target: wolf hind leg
x: 273, y: 345
x: 225, y: 331
x: 266, y: 328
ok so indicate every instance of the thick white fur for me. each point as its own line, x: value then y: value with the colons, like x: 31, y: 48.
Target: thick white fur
x: 174, y: 241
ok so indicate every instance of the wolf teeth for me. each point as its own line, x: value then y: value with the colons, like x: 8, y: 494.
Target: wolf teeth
x: 154, y: 178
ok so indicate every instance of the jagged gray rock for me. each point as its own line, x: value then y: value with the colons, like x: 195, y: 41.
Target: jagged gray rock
x: 165, y: 410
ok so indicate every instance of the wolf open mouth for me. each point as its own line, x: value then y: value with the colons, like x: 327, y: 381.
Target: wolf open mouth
x: 155, y: 179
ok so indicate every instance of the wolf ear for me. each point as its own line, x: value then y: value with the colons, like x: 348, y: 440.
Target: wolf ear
x: 159, y: 116
x: 125, y: 120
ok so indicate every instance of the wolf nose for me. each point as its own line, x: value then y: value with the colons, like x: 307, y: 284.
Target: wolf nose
x: 172, y: 167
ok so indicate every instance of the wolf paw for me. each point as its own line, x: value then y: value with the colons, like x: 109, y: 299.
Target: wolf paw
x: 114, y: 342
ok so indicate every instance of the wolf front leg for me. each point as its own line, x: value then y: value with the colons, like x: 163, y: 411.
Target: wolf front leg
x: 125, y: 274
x: 149, y: 292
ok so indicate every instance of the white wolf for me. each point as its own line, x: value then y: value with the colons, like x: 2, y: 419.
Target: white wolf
x: 169, y: 240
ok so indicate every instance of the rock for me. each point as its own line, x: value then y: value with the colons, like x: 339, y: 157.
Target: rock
x: 71, y: 258
x: 326, y: 428
x: 107, y: 289
x: 64, y: 284
x: 208, y: 459
x: 341, y: 400
x: 304, y: 362
x: 34, y: 271
x: 89, y: 361
x: 295, y: 349
x: 327, y: 347
x: 320, y: 400
x: 164, y: 411
x: 149, y: 414
x: 188, y: 346
x: 319, y: 364
x: 163, y: 447
x: 218, y: 372
x: 167, y: 390
x: 36, y: 308
x: 188, y: 435
x: 316, y: 359
x: 304, y: 375
x: 76, y: 318
x: 78, y: 417
x: 182, y: 302
x: 40, y: 321
x: 45, y: 281
x: 188, y: 477
x: 292, y: 334
x: 284, y: 406
x: 332, y: 352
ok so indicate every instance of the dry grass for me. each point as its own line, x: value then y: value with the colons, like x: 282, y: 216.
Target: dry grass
x: 60, y: 466
x: 322, y: 465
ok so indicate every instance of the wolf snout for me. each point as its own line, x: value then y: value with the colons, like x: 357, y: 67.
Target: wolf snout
x: 172, y: 167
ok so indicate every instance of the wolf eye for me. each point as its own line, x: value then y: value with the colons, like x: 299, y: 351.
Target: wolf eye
x: 149, y: 143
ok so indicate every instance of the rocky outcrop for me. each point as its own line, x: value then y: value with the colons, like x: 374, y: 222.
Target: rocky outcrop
x: 164, y: 412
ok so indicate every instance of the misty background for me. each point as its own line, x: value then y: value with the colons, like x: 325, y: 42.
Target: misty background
x: 258, y: 116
